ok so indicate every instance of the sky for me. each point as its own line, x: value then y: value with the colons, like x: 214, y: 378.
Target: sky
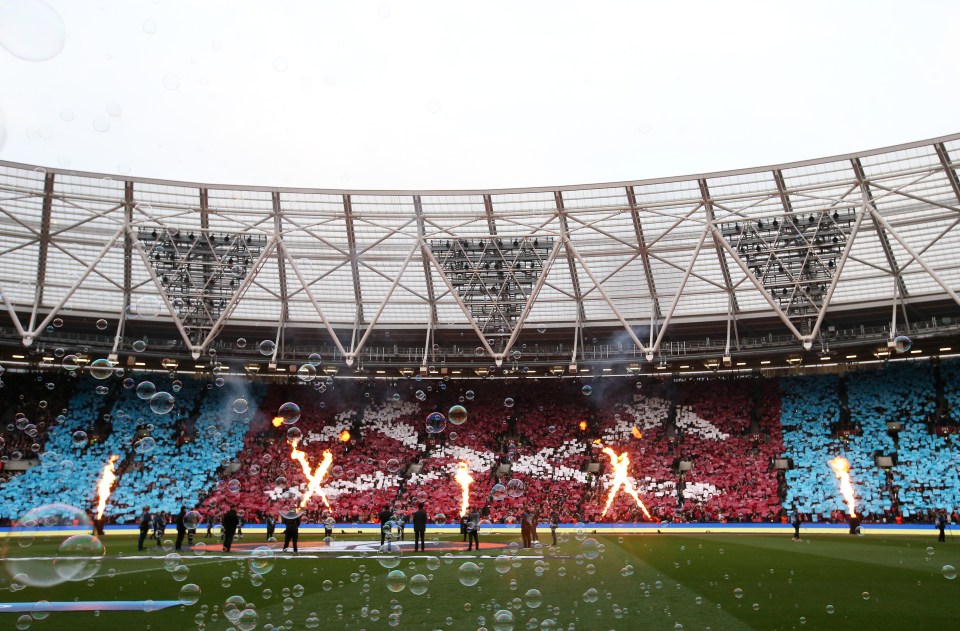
x: 464, y: 95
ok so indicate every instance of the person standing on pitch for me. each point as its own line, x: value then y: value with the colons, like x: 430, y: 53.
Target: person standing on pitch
x: 146, y: 522
x: 554, y: 523
x: 473, y: 529
x: 209, y: 526
x: 941, y: 524
x: 291, y: 532
x: 400, y: 520
x: 464, y: 520
x: 159, y: 527
x: 328, y: 523
x: 181, y: 528
x: 385, y: 515
x: 526, y: 521
x: 419, y: 528
x: 795, y: 522
x: 229, y: 523
x: 271, y: 526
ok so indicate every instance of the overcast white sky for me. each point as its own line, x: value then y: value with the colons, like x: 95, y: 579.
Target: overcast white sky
x: 466, y: 95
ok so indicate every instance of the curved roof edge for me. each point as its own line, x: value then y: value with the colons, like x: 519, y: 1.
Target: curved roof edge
x: 495, y: 191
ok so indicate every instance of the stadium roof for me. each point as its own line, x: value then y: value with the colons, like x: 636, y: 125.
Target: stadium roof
x: 799, y: 244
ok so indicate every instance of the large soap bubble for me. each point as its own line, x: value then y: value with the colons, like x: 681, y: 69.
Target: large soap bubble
x: 289, y: 413
x: 457, y: 415
x: 58, y: 527
x: 436, y: 422
x: 31, y: 30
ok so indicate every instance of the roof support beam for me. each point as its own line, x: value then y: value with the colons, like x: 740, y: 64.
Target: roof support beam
x: 281, y: 276
x: 204, y: 210
x: 427, y: 276
x: 354, y: 264
x: 644, y: 254
x: 127, y: 269
x: 884, y: 242
x: 944, y: 156
x: 488, y: 206
x: 708, y: 207
x: 44, y: 244
x: 565, y: 237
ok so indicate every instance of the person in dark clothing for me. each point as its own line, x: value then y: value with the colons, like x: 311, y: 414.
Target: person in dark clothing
x: 473, y: 528
x: 181, y: 528
x: 209, y: 526
x: 291, y: 531
x: 146, y: 522
x: 419, y: 527
x: 328, y: 523
x: 554, y: 523
x: 941, y: 524
x: 795, y: 522
x: 271, y: 526
x: 229, y: 522
x: 385, y: 516
x: 159, y: 527
x: 526, y: 521
x: 400, y: 520
x: 463, y: 526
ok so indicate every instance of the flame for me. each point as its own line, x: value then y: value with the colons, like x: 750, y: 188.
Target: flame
x: 106, y: 481
x: 583, y: 426
x: 344, y: 436
x: 597, y: 442
x: 277, y: 421
x: 314, y: 479
x: 464, y: 479
x: 841, y: 468
x: 620, y: 465
x: 636, y: 432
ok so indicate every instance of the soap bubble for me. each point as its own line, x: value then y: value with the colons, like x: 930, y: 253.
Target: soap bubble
x: 145, y: 445
x: 139, y: 346
x: 261, y: 560
x: 70, y: 363
x: 469, y: 574
x: 267, y: 347
x: 457, y: 415
x: 190, y: 594
x: 498, y: 492
x: 294, y: 435
x: 469, y: 395
x: 949, y: 572
x: 192, y: 519
x: 396, y: 581
x: 289, y: 413
x: 508, y: 402
x: 31, y: 30
x: 77, y: 557
x: 503, y: 620
x: 436, y: 422
x: 240, y: 405
x: 101, y: 369
x: 515, y: 488
x: 393, y: 465
x: 307, y: 372
x: 419, y: 584
x: 79, y: 438
x: 146, y: 389
x: 902, y: 343
x: 162, y: 402
x: 149, y: 307
x: 587, y: 390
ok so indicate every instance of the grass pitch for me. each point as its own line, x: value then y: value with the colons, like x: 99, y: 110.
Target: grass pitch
x: 711, y: 581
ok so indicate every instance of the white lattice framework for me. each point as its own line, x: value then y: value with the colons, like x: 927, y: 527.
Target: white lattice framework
x: 633, y: 255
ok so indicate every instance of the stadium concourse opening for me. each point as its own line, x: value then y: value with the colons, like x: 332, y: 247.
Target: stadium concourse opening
x: 570, y: 407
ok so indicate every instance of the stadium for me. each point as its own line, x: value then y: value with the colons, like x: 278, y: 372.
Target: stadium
x: 726, y: 400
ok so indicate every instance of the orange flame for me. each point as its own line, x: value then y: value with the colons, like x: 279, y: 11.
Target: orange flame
x: 841, y: 468
x: 636, y: 432
x: 620, y: 465
x: 583, y: 425
x: 344, y: 436
x: 596, y: 441
x: 277, y: 421
x: 464, y: 479
x: 314, y: 479
x: 106, y: 481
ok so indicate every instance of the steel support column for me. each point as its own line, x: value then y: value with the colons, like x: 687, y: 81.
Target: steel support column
x: 281, y: 277
x: 354, y: 261
x: 644, y: 253
x: 884, y: 243
x: 427, y: 276
x: 733, y: 307
x: 44, y: 246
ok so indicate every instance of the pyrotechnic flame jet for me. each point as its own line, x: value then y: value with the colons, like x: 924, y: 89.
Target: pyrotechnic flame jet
x: 620, y: 465
x: 277, y: 421
x: 106, y: 481
x: 314, y: 479
x: 841, y: 468
x: 464, y: 479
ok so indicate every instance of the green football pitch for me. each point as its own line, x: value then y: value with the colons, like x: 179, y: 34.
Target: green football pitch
x: 631, y: 582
